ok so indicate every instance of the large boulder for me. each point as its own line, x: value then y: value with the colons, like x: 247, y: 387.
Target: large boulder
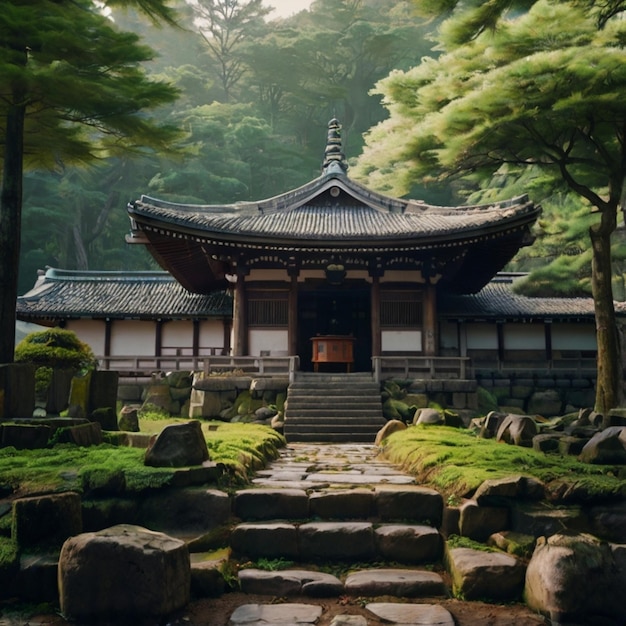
x: 428, y: 416
x: 123, y: 573
x: 392, y: 426
x: 178, y: 445
x: 46, y: 520
x: 576, y: 577
x: 518, y: 430
x: 607, y: 447
x: 480, y: 575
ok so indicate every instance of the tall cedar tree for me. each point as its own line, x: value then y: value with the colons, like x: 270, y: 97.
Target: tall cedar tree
x: 72, y: 89
x: 540, y: 88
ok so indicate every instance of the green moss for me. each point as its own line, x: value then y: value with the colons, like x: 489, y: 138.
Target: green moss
x: 456, y: 541
x: 64, y: 467
x: 54, y: 348
x: 456, y: 462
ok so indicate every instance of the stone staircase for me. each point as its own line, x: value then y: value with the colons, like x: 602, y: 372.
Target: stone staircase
x: 333, y: 408
x: 341, y: 509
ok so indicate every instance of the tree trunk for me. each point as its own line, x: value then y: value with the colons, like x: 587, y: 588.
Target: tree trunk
x: 609, y: 381
x: 10, y: 223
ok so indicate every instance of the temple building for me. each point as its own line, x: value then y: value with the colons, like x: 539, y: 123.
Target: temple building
x: 333, y: 272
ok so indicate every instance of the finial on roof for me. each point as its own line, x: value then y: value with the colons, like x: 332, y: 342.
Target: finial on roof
x: 334, y: 158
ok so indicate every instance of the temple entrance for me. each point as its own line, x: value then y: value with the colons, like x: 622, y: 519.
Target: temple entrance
x: 341, y: 310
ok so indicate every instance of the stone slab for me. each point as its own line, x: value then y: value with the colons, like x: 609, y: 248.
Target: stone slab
x: 348, y: 620
x: 288, y: 614
x: 266, y: 504
x: 407, y: 543
x: 341, y: 504
x: 290, y: 582
x: 409, y: 502
x: 359, y: 479
x: 411, y: 614
x: 336, y: 540
x: 402, y: 583
x: 265, y: 540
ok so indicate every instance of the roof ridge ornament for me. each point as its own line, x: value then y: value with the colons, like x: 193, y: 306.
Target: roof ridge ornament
x: 334, y: 158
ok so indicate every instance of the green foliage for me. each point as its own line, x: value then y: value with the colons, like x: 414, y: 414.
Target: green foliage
x: 457, y: 541
x: 55, y: 347
x: 270, y: 565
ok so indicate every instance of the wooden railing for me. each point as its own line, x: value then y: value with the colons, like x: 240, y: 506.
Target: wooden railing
x: 141, y: 366
x: 429, y: 367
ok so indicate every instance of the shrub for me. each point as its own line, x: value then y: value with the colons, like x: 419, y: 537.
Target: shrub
x: 54, y: 348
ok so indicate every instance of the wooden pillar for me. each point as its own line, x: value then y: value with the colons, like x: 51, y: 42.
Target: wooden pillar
x: 108, y: 328
x: 158, y: 338
x: 240, y: 326
x: 462, y: 337
x: 500, y: 333
x: 547, y: 329
x: 228, y: 326
x: 430, y: 320
x: 375, y: 316
x: 292, y: 319
x: 195, y: 338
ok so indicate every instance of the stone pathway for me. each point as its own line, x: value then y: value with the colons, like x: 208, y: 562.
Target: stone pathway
x: 349, y: 507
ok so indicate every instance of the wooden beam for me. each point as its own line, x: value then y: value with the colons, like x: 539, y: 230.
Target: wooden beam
x: 375, y: 316
x: 292, y: 319
x: 430, y: 346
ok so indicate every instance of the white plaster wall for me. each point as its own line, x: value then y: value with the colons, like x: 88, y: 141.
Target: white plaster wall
x: 481, y: 336
x: 132, y: 337
x: 574, y: 337
x: 211, y: 335
x: 177, y: 334
x: 401, y: 340
x: 274, y: 341
x: 524, y: 337
x: 91, y: 332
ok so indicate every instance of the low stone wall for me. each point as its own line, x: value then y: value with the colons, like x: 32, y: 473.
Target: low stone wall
x: 546, y: 393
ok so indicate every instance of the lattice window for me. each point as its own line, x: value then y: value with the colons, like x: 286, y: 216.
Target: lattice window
x: 400, y: 308
x: 268, y: 308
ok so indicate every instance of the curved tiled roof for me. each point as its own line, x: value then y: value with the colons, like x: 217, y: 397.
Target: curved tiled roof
x: 329, y: 217
x: 309, y: 215
x: 63, y: 294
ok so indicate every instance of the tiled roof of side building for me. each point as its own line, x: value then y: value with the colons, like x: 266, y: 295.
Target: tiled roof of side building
x: 497, y: 300
x: 60, y: 294
x: 140, y: 295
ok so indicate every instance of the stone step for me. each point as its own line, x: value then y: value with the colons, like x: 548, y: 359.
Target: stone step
x: 371, y: 583
x: 332, y: 437
x: 326, y: 541
x: 335, y: 388
x: 332, y: 414
x: 310, y: 400
x: 384, y: 502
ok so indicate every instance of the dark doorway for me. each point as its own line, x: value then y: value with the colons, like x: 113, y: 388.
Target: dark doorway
x: 335, y: 310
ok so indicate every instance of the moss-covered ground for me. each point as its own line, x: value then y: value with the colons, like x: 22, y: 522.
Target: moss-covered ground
x: 63, y: 467
x: 456, y: 461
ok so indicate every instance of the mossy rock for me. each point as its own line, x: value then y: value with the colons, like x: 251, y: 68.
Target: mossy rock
x: 417, y: 400
x: 392, y: 389
x: 397, y: 410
